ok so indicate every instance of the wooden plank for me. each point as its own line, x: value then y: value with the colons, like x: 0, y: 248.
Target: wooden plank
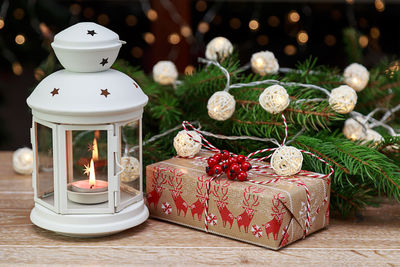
x: 6, y: 169
x: 173, y: 255
x: 17, y: 230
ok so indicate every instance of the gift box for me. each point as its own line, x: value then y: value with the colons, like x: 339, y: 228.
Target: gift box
x: 273, y: 214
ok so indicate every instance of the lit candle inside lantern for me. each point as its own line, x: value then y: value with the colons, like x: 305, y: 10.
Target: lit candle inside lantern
x: 95, y: 151
x: 91, y: 185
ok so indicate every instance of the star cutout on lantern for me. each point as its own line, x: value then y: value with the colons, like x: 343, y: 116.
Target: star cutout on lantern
x: 91, y: 32
x: 55, y: 91
x: 104, y: 61
x: 86, y: 169
x: 105, y: 92
x: 90, y: 147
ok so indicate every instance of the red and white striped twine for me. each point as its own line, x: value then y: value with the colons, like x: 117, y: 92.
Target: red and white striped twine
x: 208, y: 146
x: 259, y: 168
x: 208, y: 185
x: 286, y: 130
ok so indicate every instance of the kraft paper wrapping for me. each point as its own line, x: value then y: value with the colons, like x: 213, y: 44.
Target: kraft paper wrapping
x: 271, y: 216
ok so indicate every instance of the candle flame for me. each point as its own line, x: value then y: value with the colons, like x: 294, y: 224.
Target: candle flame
x: 95, y: 151
x: 92, y: 175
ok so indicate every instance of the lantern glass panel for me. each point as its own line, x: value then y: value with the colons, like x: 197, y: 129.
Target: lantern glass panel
x: 87, y: 167
x: 45, y: 168
x: 130, y: 181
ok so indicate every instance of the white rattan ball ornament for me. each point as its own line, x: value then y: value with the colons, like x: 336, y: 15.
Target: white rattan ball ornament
x: 372, y: 136
x: 185, y: 146
x: 274, y: 99
x: 218, y: 49
x: 353, y: 128
x: 165, y: 72
x: 343, y: 99
x: 264, y: 63
x: 356, y: 76
x: 23, y: 160
x: 287, y: 161
x: 131, y: 169
x: 221, y: 106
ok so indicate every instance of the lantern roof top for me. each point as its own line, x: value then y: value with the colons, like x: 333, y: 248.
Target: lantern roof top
x: 87, y: 98
x: 86, y: 35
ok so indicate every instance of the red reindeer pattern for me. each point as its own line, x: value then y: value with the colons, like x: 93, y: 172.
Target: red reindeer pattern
x: 199, y: 206
x: 245, y: 218
x: 274, y: 225
x: 154, y: 196
x: 176, y: 192
x: 226, y: 215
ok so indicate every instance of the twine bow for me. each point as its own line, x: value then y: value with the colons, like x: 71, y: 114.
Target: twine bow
x: 259, y: 169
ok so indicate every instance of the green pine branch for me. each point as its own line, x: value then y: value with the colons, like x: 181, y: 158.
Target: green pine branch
x: 362, y: 172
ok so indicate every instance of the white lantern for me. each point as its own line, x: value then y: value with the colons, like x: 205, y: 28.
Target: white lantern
x: 356, y: 76
x: 84, y: 125
x: 264, y: 63
x: 218, y: 49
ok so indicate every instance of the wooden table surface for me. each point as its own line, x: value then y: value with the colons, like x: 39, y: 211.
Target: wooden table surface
x: 373, y: 241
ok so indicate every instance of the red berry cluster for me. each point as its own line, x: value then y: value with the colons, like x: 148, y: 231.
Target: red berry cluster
x: 234, y: 167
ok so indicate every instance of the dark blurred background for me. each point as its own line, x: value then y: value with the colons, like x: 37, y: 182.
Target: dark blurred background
x: 179, y: 30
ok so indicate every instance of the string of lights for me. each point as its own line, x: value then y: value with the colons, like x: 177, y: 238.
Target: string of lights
x: 218, y: 136
x: 221, y: 104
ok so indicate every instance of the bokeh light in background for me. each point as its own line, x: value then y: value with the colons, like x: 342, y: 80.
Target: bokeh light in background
x: 20, y: 39
x: 235, y: 23
x: 131, y: 20
x: 293, y: 16
x: 254, y: 24
x: 152, y: 15
x: 330, y: 40
x: 179, y: 31
x: 149, y: 38
x: 363, y: 41
x: 203, y: 27
x: 302, y: 37
x: 174, y: 38
x: 290, y: 50
x: 189, y: 70
x: 262, y: 40
x: 186, y: 31
x: 17, y: 68
x: 287, y: 29
x: 273, y: 21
